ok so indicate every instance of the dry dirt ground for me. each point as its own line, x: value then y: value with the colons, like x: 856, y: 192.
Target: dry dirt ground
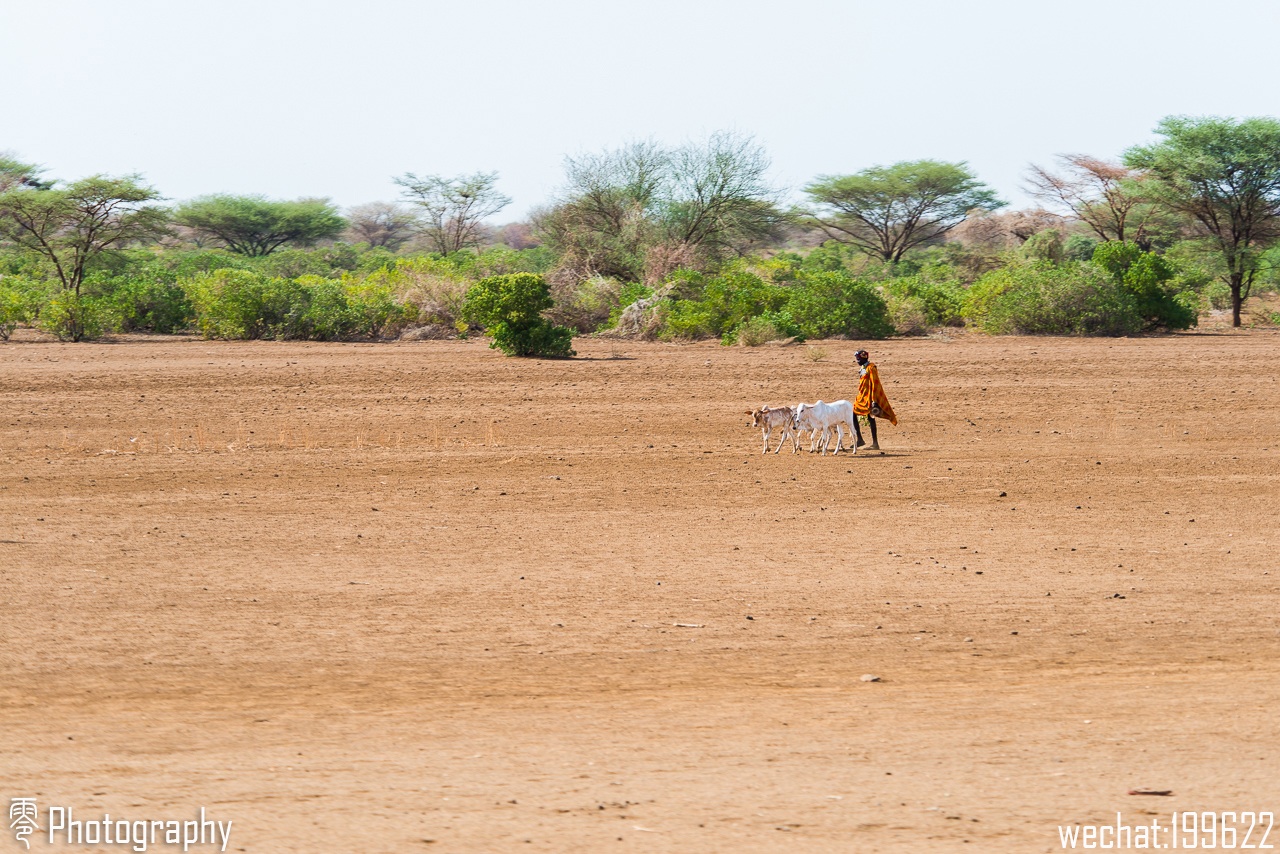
x: 422, y: 597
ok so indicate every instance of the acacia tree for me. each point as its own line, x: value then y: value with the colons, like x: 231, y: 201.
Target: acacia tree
x: 1105, y: 196
x: 1223, y: 175
x: 454, y: 209
x: 885, y: 211
x: 15, y: 173
x: 384, y: 224
x: 637, y: 212
x: 71, y: 227
x: 257, y: 226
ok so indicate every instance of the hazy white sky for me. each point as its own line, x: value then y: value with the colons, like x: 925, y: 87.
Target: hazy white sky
x: 324, y: 98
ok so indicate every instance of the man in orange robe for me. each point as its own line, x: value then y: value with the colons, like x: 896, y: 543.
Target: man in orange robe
x: 871, y: 400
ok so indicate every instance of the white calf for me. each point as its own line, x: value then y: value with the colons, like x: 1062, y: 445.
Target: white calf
x: 781, y: 418
x: 824, y: 416
x: 814, y: 432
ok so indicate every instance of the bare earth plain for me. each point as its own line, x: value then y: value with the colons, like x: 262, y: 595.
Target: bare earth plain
x: 422, y: 597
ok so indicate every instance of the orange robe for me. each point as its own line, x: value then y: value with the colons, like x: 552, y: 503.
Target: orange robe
x: 871, y: 391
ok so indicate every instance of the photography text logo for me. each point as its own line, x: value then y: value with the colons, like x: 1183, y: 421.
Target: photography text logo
x: 1229, y: 829
x: 65, y: 828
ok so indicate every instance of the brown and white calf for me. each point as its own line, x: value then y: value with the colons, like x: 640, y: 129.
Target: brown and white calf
x: 779, y: 418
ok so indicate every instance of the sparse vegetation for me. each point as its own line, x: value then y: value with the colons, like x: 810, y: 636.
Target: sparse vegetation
x: 675, y: 243
x: 815, y: 354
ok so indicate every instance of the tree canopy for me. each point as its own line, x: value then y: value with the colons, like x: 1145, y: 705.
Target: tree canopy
x: 1105, y: 196
x: 71, y: 227
x: 15, y: 173
x: 642, y: 210
x: 454, y: 209
x: 384, y: 224
x: 887, y: 210
x: 257, y: 226
x: 1223, y: 175
x: 607, y: 215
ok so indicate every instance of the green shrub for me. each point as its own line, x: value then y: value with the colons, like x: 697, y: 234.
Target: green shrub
x: 939, y: 299
x: 151, y: 304
x: 907, y: 314
x: 981, y: 306
x: 1217, y: 294
x: 510, y: 308
x: 770, y: 326
x: 77, y: 318
x: 830, y: 257
x: 374, y: 259
x: 1045, y: 299
x: 502, y: 260
x: 341, y: 257
x: 737, y: 296
x: 20, y: 302
x: 1079, y: 247
x: 432, y: 285
x: 326, y: 313
x: 784, y: 324
x: 687, y: 320
x: 1147, y: 276
x: 754, y: 332
x: 184, y: 265
x: 1045, y: 246
x: 781, y: 268
x: 245, y: 304
x: 831, y: 304
x: 291, y: 263
x: 497, y: 261
x: 12, y: 310
x: 817, y: 304
x: 373, y: 302
x: 714, y: 306
x: 17, y: 263
x: 1191, y: 286
x: 284, y: 304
